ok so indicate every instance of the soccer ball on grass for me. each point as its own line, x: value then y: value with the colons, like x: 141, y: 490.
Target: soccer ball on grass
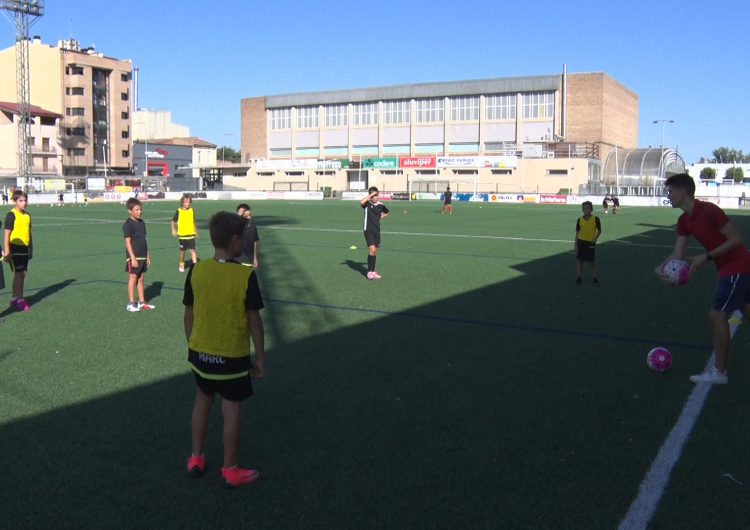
x: 659, y: 359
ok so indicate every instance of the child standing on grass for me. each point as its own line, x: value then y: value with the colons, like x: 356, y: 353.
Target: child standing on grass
x: 137, y: 255
x: 185, y: 230
x: 588, y: 230
x: 374, y: 212
x: 249, y: 254
x: 18, y: 248
x: 222, y: 312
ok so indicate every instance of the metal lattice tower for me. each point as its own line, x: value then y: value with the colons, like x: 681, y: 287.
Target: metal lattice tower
x: 23, y: 14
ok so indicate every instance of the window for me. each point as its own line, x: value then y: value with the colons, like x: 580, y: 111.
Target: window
x: 281, y: 119
x: 74, y: 91
x: 337, y: 115
x: 397, y: 112
x: 125, y: 153
x: 365, y: 114
x: 124, y: 96
x: 125, y: 76
x: 500, y: 107
x: 538, y: 105
x: 125, y: 134
x: 465, y: 108
x: 124, y: 115
x: 75, y: 131
x: 430, y: 110
x: 32, y: 141
x: 558, y: 172
x: 76, y: 151
x: 307, y: 117
x: 74, y: 111
x: 74, y: 70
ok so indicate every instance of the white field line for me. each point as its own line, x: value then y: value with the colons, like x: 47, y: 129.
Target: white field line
x: 655, y: 482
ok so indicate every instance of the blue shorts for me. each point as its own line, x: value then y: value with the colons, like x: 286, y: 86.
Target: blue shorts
x: 732, y: 293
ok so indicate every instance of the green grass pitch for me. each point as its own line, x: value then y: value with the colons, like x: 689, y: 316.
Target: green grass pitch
x: 474, y: 386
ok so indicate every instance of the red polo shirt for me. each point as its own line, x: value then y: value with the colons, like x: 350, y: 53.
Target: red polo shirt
x: 704, y: 224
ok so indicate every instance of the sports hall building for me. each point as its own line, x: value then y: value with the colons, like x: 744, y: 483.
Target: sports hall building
x: 547, y: 134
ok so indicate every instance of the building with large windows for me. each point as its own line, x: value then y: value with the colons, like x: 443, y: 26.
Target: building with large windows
x: 537, y: 133
x: 91, y: 92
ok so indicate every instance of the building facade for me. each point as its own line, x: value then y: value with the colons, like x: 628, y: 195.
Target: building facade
x: 91, y: 92
x: 538, y: 133
x: 175, y: 163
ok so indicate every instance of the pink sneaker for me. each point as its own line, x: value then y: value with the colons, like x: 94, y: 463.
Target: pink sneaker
x: 376, y: 276
x: 370, y: 275
x: 234, y: 477
x: 196, y: 465
x: 145, y: 306
x: 23, y: 305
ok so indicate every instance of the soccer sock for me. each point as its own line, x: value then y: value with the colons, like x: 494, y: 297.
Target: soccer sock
x: 370, y: 263
x: 182, y: 264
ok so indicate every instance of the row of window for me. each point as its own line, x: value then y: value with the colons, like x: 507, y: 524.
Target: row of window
x: 80, y: 111
x: 81, y: 151
x: 73, y: 69
x: 535, y: 105
x: 508, y: 148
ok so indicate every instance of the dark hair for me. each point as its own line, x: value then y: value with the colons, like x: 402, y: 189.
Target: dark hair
x: 587, y: 203
x: 186, y: 196
x: 682, y: 181
x: 223, y: 226
x: 447, y: 187
x: 132, y: 202
x: 19, y: 193
x: 243, y: 206
x: 372, y: 188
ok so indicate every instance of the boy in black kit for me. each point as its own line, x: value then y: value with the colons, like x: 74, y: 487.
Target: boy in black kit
x: 374, y: 212
x: 137, y: 255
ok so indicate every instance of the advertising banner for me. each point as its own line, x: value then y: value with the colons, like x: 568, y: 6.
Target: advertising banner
x: 300, y: 164
x: 553, y: 199
x: 419, y: 162
x: 380, y: 163
x: 54, y: 184
x: 505, y: 197
x: 459, y: 161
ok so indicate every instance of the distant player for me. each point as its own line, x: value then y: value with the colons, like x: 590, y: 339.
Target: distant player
x: 249, y: 255
x: 222, y: 313
x: 185, y: 230
x: 61, y: 199
x: 711, y: 227
x: 18, y: 247
x: 615, y: 204
x: 588, y: 230
x: 374, y: 212
x: 605, y: 204
x: 137, y: 255
x: 447, y: 198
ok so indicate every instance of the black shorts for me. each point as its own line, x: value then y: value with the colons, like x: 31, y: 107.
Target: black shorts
x: 372, y: 238
x: 732, y: 292
x: 585, y: 250
x: 237, y: 388
x: 139, y: 270
x: 187, y: 243
x: 19, y: 258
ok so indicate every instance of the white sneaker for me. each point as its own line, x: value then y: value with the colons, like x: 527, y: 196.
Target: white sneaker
x: 712, y: 376
x: 133, y: 308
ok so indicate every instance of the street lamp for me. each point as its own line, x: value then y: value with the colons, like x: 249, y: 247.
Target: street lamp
x: 223, y: 147
x: 661, y: 160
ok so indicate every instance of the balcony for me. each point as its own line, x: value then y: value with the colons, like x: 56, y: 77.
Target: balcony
x: 43, y: 151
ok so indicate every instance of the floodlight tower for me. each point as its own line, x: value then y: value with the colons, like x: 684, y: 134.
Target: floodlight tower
x: 23, y: 14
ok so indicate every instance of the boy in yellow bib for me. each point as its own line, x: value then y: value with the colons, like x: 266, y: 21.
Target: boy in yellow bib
x: 185, y: 230
x: 18, y: 247
x: 588, y: 230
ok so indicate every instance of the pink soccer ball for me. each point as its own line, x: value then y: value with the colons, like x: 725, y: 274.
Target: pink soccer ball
x: 659, y: 359
x: 676, y: 271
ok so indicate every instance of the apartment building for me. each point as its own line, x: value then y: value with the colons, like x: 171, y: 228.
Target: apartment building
x: 91, y: 92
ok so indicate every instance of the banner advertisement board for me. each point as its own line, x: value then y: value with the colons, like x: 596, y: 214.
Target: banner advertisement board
x: 418, y: 162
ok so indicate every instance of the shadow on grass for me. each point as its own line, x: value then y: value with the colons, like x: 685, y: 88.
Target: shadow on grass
x: 41, y: 294
x: 356, y: 266
x: 506, y: 406
x: 154, y: 290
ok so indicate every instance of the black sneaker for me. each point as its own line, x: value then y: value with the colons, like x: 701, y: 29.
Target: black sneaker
x: 578, y: 281
x: 596, y: 282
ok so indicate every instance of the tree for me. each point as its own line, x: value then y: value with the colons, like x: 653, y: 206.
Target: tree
x: 708, y: 173
x: 725, y: 155
x: 735, y: 173
x: 228, y: 154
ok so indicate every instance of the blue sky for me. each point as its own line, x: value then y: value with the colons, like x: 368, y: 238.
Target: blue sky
x: 686, y: 60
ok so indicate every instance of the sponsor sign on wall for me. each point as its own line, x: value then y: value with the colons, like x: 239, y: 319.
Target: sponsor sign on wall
x: 553, y: 199
x: 418, y: 162
x: 505, y: 197
x: 380, y: 163
x: 300, y: 164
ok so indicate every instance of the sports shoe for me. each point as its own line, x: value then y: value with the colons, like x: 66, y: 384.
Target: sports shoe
x: 181, y: 268
x: 196, y: 465
x: 596, y: 282
x: 370, y: 275
x: 133, y: 308
x: 234, y: 477
x: 712, y: 376
x: 376, y: 276
x: 145, y: 306
x: 23, y: 305
x: 579, y: 281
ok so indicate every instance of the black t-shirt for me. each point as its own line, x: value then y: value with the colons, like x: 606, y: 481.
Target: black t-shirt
x: 136, y: 231
x: 250, y: 237
x: 448, y: 196
x: 373, y: 213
